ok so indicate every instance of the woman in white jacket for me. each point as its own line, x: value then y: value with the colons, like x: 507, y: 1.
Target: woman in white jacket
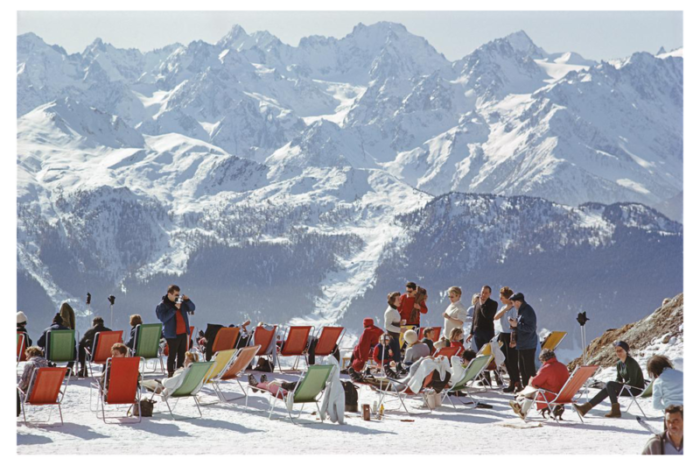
x: 392, y: 325
x: 171, y: 384
x: 668, y: 383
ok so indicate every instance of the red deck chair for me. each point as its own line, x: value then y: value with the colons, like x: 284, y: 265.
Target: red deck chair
x: 226, y: 339
x: 102, y: 348
x: 21, y: 348
x: 234, y: 372
x: 436, y: 333
x: 122, y: 380
x: 328, y: 340
x: 192, y: 337
x: 295, y: 344
x: 45, y: 389
x: 570, y: 389
x: 263, y: 337
x: 447, y: 352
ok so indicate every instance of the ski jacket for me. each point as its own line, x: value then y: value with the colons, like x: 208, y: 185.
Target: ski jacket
x: 668, y: 389
x: 630, y: 373
x: 368, y: 339
x: 406, y: 306
x: 165, y: 311
x: 527, y: 328
x: 552, y: 376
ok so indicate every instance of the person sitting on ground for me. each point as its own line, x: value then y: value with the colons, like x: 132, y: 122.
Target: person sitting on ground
x: 668, y: 383
x: 171, y: 384
x: 85, y: 344
x: 134, y: 321
x: 22, y: 328
x: 428, y: 338
x: 415, y: 349
x: 551, y: 377
x: 628, y: 373
x: 35, y: 360
x: 670, y: 442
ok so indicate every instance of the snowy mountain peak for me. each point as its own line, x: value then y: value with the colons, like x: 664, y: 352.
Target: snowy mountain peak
x: 233, y: 38
x: 69, y: 122
x: 661, y: 50
x: 521, y: 42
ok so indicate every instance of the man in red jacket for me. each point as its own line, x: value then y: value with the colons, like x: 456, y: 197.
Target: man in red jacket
x: 407, y: 303
x: 551, y: 377
x: 370, y: 337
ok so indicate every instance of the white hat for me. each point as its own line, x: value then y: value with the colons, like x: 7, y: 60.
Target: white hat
x: 410, y: 337
x: 21, y: 318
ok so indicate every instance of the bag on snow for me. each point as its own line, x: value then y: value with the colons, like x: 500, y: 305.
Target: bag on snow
x: 350, y: 397
x: 264, y: 365
x: 145, y: 406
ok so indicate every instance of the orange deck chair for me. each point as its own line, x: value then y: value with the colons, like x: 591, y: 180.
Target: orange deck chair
x: 436, y: 333
x: 570, y: 389
x: 447, y: 352
x: 241, y: 361
x: 226, y: 339
x: 101, y: 348
x: 122, y: 381
x: 21, y: 348
x: 45, y: 390
x: 328, y: 340
x: 296, y: 341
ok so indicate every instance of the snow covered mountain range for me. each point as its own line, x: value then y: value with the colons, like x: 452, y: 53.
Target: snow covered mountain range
x: 279, y: 182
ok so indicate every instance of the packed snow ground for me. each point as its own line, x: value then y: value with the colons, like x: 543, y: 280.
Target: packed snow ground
x: 230, y: 428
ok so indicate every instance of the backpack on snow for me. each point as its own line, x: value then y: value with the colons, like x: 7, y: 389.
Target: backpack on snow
x: 264, y: 365
x: 350, y: 397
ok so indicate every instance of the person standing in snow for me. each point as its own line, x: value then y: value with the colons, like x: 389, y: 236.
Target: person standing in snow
x: 482, y: 325
x: 470, y: 321
x: 456, y: 314
x: 628, y: 373
x: 392, y: 325
x: 411, y: 306
x: 668, y: 383
x: 502, y: 326
x: 526, y: 343
x: 173, y: 313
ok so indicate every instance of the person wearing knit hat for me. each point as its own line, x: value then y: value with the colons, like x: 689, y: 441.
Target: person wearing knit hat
x: 22, y: 328
x: 628, y: 373
x: 414, y: 348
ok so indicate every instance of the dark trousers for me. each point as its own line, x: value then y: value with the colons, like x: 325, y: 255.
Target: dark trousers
x: 481, y: 338
x: 81, y: 355
x: 176, y: 349
x: 612, y: 390
x: 394, y: 345
x: 511, y: 355
x: 526, y: 365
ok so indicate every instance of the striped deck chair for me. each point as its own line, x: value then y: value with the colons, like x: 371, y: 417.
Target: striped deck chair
x: 45, y: 390
x: 296, y: 342
x: 101, y: 348
x: 475, y: 369
x: 569, y: 391
x: 60, y: 346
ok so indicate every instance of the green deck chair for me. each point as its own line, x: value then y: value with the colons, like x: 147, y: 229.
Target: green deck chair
x: 307, y: 391
x: 61, y: 346
x: 148, y: 345
x: 192, y: 383
x: 474, y: 370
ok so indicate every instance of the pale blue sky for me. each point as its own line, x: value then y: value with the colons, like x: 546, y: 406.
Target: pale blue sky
x: 593, y: 34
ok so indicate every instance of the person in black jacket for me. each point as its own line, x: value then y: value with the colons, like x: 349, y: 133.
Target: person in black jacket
x: 134, y: 320
x: 525, y: 326
x: 482, y: 325
x: 98, y: 325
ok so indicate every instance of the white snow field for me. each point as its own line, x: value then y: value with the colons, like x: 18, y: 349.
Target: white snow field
x: 230, y: 428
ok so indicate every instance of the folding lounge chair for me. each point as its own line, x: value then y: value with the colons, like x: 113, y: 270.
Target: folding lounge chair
x: 101, y: 348
x: 226, y: 339
x: 45, y: 389
x: 60, y: 347
x: 553, y: 340
x: 328, y: 341
x: 264, y: 337
x: 123, y: 388
x: 295, y: 343
x: 474, y: 370
x: 648, y: 389
x: 192, y: 382
x: 492, y: 366
x: 570, y: 389
x: 448, y: 352
x: 148, y: 345
x: 307, y: 391
x: 405, y: 392
x: 222, y: 360
x: 20, y: 348
x: 241, y: 360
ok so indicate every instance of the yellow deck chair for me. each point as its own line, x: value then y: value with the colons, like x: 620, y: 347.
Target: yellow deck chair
x: 553, y: 340
x: 221, y: 360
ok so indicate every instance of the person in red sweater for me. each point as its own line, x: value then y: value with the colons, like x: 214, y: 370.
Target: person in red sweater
x: 361, y: 352
x: 551, y: 377
x: 407, y: 303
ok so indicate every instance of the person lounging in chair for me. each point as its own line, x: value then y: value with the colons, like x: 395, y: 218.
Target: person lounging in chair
x: 171, y: 384
x: 551, y: 377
